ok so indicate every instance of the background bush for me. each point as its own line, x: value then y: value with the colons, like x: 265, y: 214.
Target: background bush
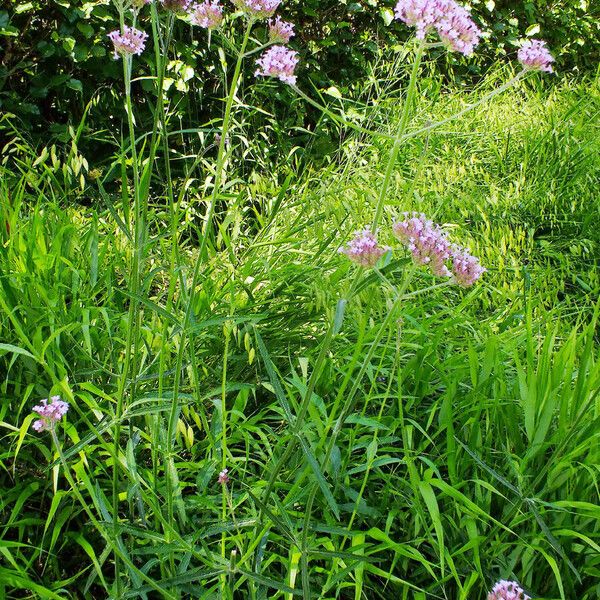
x: 57, y: 59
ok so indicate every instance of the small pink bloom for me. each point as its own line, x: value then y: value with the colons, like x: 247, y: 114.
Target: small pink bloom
x: 280, y: 31
x: 426, y: 242
x: 456, y: 28
x: 363, y: 249
x: 421, y: 14
x: 131, y: 41
x: 257, y: 9
x: 534, y: 56
x: 208, y: 14
x: 280, y: 62
x: 466, y: 269
x: 224, y: 477
x: 49, y: 413
x: 507, y: 590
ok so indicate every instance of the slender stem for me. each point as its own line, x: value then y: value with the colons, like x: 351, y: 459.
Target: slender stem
x: 224, y: 489
x: 410, y: 95
x: 134, y: 316
x: 207, y: 229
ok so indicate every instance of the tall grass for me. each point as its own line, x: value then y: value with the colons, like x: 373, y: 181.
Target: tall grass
x: 413, y: 447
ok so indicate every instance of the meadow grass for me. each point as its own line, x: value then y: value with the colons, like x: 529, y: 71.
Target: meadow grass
x: 420, y: 443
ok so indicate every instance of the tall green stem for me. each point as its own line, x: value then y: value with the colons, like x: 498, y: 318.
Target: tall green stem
x: 207, y: 230
x: 134, y: 316
x: 406, y: 112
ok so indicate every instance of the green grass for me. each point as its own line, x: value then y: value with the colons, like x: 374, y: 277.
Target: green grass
x: 440, y: 442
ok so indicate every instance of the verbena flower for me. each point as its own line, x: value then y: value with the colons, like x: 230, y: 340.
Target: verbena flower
x: 364, y: 249
x: 280, y: 31
x: 421, y: 14
x: 49, y: 413
x: 131, y: 41
x: 176, y: 5
x: 224, y: 477
x: 429, y: 246
x: 534, y: 55
x: 466, y: 268
x: 208, y: 14
x: 508, y: 590
x: 456, y: 28
x: 452, y: 22
x: 257, y: 9
x: 280, y: 62
x: 426, y: 242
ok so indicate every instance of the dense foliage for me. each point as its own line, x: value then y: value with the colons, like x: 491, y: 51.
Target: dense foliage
x: 57, y: 59
x: 470, y: 450
x: 210, y: 387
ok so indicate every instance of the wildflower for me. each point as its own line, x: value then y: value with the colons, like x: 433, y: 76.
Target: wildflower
x: 429, y: 246
x: 280, y: 62
x: 534, y: 56
x: 49, y: 413
x: 421, y: 14
x: 456, y: 28
x: 257, y: 9
x: 208, y: 14
x: 131, y: 41
x: 176, y: 5
x: 280, y: 31
x: 364, y: 249
x: 466, y: 269
x: 452, y: 22
x: 224, y: 477
x: 507, y: 590
x: 426, y: 241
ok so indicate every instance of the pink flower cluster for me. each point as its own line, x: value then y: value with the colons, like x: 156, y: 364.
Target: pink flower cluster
x: 429, y: 246
x: 131, y: 41
x: 507, y: 590
x: 280, y: 31
x: 534, y: 56
x: 280, y: 62
x: 364, y: 249
x: 224, y: 477
x: 452, y: 22
x: 208, y: 14
x: 257, y: 9
x: 49, y: 413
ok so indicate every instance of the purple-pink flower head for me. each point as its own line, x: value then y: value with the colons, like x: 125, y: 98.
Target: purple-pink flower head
x: 179, y: 6
x: 452, y: 22
x: 280, y: 62
x: 207, y: 14
x: 456, y: 27
x: 257, y: 9
x: 280, y: 31
x: 421, y: 14
x: 49, y: 413
x: 426, y: 242
x: 507, y: 590
x: 224, y: 477
x: 429, y: 246
x: 131, y: 41
x: 534, y: 56
x: 364, y: 249
x: 466, y: 269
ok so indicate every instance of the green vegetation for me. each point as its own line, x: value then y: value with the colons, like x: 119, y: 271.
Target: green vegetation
x: 202, y: 395
x: 444, y: 440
